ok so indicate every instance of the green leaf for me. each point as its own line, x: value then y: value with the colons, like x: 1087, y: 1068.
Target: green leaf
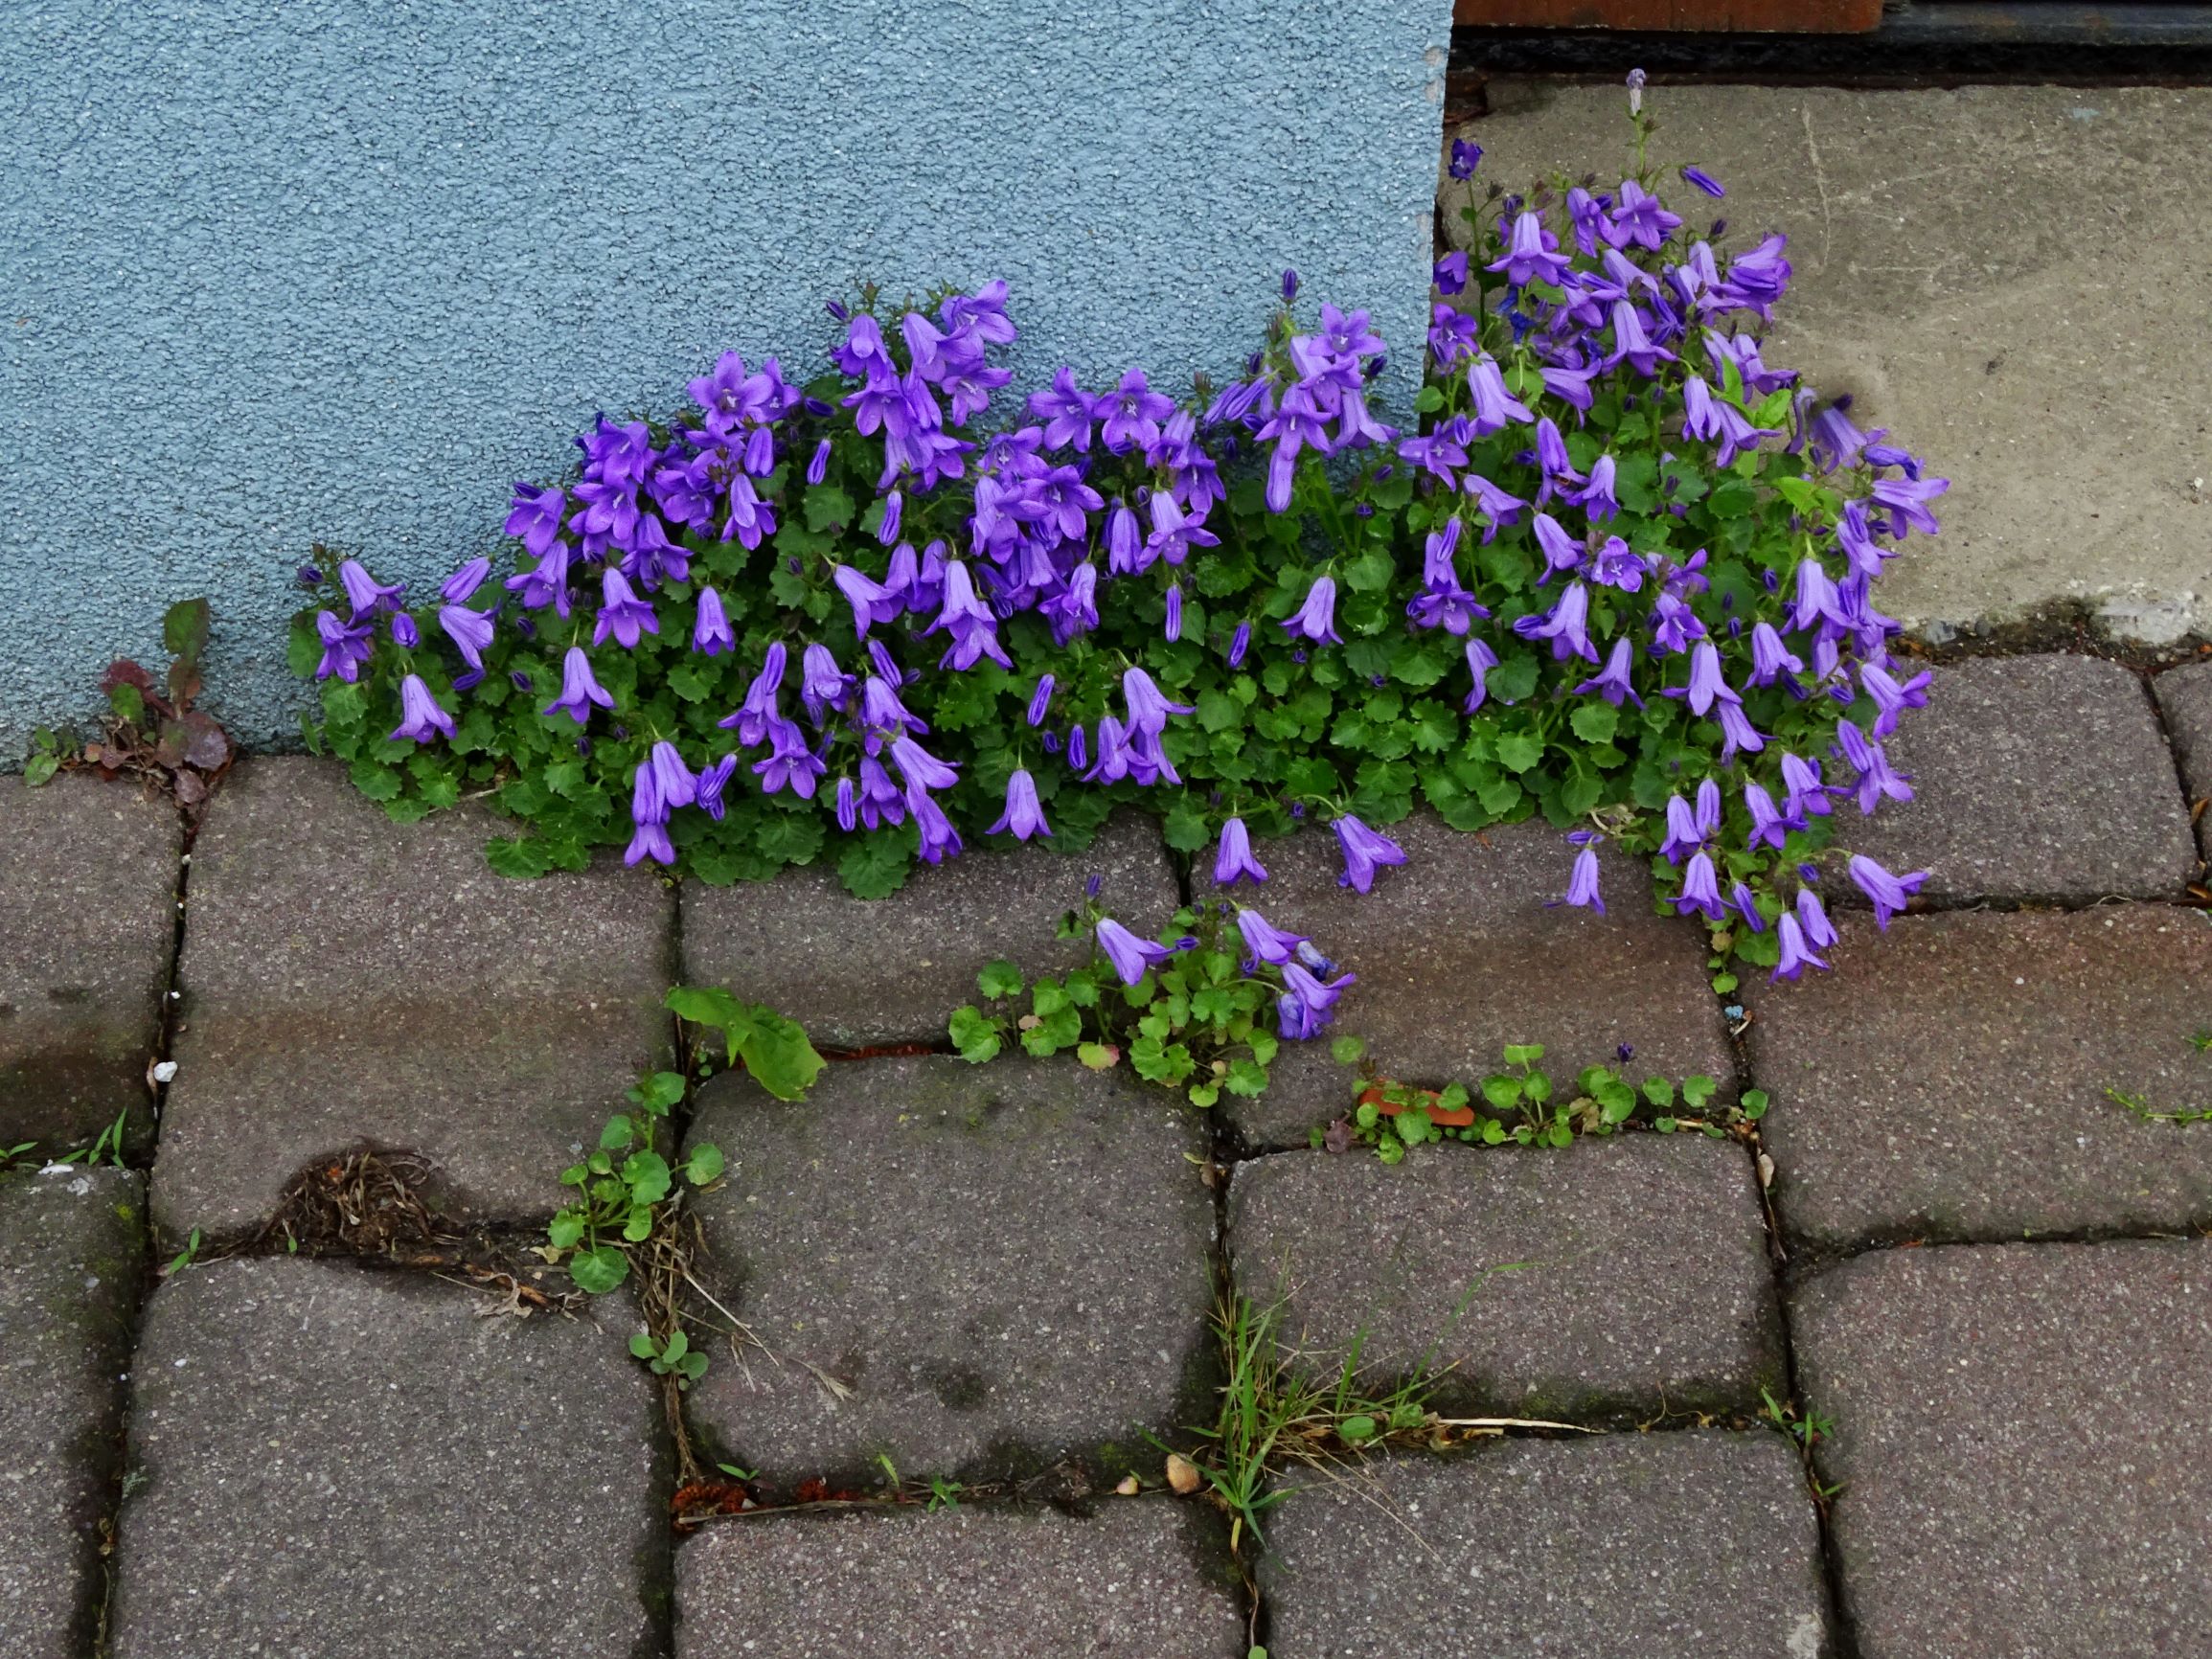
x: 1185, y: 826
x: 1348, y: 1051
x: 1354, y: 1430
x: 1048, y: 996
x: 876, y: 865
x: 184, y: 628
x: 1595, y: 722
x: 1247, y: 1078
x: 597, y: 1271
x: 1660, y: 1092
x: 618, y: 1134
x: 522, y: 858
x: 1098, y: 1056
x: 778, y: 1054
x: 1519, y: 751
x: 1755, y: 1103
x: 659, y: 1091
x: 999, y: 978
x: 377, y: 783
x: 1523, y: 1054
x: 828, y: 507
x: 128, y: 703
x: 1697, y: 1090
x: 976, y: 1037
x: 704, y: 1166
x: 40, y: 768
x: 642, y: 1345
x: 649, y: 1178
x: 565, y: 1230
x: 1502, y: 1092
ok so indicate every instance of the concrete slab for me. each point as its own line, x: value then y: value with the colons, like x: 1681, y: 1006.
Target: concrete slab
x: 1997, y: 273
x: 1135, y: 1577
x: 1947, y: 1081
x: 1443, y: 947
x: 2041, y: 778
x: 346, y: 978
x: 359, y: 1464
x: 1620, y: 1277
x: 1699, y: 1544
x: 2185, y: 703
x: 88, y: 919
x: 859, y: 972
x: 72, y: 1250
x: 999, y: 1266
x: 2021, y: 1439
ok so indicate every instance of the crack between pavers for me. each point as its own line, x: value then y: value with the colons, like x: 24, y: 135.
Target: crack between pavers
x: 109, y: 1522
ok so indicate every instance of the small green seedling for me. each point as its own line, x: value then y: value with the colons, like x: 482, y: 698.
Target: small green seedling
x: 107, y: 1148
x: 675, y: 1357
x: 186, y: 1257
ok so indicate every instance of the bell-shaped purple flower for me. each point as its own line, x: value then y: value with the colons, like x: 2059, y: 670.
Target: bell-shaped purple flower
x: 1812, y: 916
x: 751, y: 719
x: 459, y: 588
x: 420, y: 715
x: 823, y: 686
x: 712, y: 780
x: 1684, y: 835
x: 1771, y: 656
x: 1701, y: 888
x: 623, y: 614
x: 1266, y: 942
x: 1583, y: 881
x: 1878, y: 778
x: 872, y: 603
x: 366, y: 593
x: 579, y: 689
x: 1315, y: 620
x: 1796, y: 957
x: 346, y: 646
x: 1366, y: 851
x: 711, y: 634
x: 1233, y: 859
x: 1614, y: 683
x: 881, y: 802
x: 1769, y: 824
x: 1480, y: 660
x: 1888, y: 893
x: 469, y: 630
x: 1040, y: 700
x: 1890, y: 697
x: 1132, y: 957
x: 1148, y: 707
x: 1024, y: 814
x: 1567, y: 625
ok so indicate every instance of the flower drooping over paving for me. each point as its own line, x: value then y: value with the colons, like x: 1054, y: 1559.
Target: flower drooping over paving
x: 1609, y: 568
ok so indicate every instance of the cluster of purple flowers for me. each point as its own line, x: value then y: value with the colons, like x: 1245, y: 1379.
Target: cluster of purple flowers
x: 1111, y: 494
x: 1587, y: 305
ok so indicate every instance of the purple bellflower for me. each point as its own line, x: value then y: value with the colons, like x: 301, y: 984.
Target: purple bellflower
x: 419, y: 715
x: 1366, y: 851
x: 1024, y: 814
x: 1132, y: 957
x: 579, y: 689
x: 1266, y: 942
x: 346, y: 646
x: 1233, y: 859
x: 1889, y: 894
x: 1315, y: 620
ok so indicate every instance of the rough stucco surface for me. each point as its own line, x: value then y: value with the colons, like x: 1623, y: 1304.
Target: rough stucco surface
x: 342, y: 272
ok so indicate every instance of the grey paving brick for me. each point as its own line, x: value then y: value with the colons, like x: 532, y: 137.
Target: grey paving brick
x: 1137, y: 1576
x: 342, y: 1461
x: 1000, y: 1263
x: 1625, y: 1275
x: 2022, y: 1438
x: 71, y: 1254
x: 87, y: 918
x: 1458, y: 955
x: 861, y: 972
x: 1701, y: 1544
x: 2040, y: 776
x: 1947, y: 1080
x: 346, y: 978
x: 2186, y: 700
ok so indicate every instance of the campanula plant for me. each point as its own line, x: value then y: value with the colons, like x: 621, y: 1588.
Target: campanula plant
x: 1612, y: 568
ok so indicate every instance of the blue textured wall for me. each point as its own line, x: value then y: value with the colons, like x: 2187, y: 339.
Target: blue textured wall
x: 341, y: 271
